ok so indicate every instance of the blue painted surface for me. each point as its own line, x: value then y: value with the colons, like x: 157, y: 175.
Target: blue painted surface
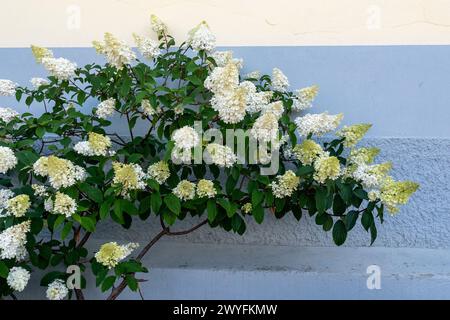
x: 403, y: 90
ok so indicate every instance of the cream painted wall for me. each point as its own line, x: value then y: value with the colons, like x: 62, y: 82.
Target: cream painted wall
x: 75, y: 23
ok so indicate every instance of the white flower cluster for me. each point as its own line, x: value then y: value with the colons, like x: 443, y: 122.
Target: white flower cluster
x: 116, y: 51
x: 37, y: 82
x: 326, y: 167
x: 63, y: 204
x: 201, y: 38
x: 7, y: 87
x: 185, y: 139
x: 317, y: 124
x: 39, y: 191
x: 185, y: 190
x: 253, y: 75
x: 7, y: 159
x: 110, y: 254
x: 206, y: 189
x: 60, y: 68
x: 5, y: 195
x: 230, y: 98
x: 18, y: 278
x: 304, y: 98
x: 371, y: 176
x: 157, y: 25
x: 279, y: 81
x: 159, y: 171
x: 8, y: 114
x: 106, y: 108
x: 18, y: 205
x: 285, y: 184
x: 220, y: 155
x: 276, y: 108
x: 13, y: 241
x: 97, y: 145
x: 222, y: 58
x: 149, y: 48
x: 231, y: 105
x: 265, y: 128
x: 62, y: 173
x: 57, y: 290
x: 223, y: 79
x: 147, y: 108
x: 256, y: 101
x: 129, y: 177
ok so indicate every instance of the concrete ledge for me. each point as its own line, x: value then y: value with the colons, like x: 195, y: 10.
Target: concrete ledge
x: 201, y: 271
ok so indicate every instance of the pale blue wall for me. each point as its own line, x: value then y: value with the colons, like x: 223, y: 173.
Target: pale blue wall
x: 403, y: 90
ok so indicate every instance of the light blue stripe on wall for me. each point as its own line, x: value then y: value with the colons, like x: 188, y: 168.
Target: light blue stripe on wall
x: 403, y: 90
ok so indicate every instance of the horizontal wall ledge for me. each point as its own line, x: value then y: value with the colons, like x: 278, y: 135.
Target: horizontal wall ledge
x: 201, y: 271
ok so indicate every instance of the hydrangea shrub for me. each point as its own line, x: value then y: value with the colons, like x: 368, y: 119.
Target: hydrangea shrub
x: 65, y: 171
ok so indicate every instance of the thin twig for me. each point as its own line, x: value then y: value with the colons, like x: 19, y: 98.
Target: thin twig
x: 84, y: 240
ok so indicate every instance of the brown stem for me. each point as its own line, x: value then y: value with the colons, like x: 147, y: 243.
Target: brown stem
x: 165, y: 231
x: 150, y: 244
x: 84, y: 239
x: 180, y: 233
x: 79, y: 294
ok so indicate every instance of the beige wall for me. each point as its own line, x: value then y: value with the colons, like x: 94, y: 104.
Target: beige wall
x: 75, y: 23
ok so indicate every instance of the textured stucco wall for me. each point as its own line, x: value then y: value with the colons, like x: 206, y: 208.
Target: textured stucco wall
x: 423, y: 223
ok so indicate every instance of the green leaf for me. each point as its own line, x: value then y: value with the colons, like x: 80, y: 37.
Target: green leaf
x: 257, y: 197
x: 229, y: 207
x: 88, y: 223
x: 328, y: 223
x: 373, y: 233
x: 51, y: 276
x: 105, y: 208
x: 258, y: 213
x: 305, y: 170
x: 66, y: 230
x: 345, y: 191
x: 350, y: 219
x: 93, y: 193
x: 156, y: 202
x: 40, y: 132
x: 212, y: 210
x: 360, y: 193
x: 173, y: 203
x: 169, y: 147
x: 339, y: 232
x: 108, y: 283
x: 321, y: 199
x: 264, y: 180
x: 129, y: 207
x: 169, y: 217
x: 118, y: 212
x: 380, y: 214
x: 367, y: 219
x: 132, y: 282
x: 230, y: 185
x: 4, y: 270
x: 236, y: 222
x: 339, y: 206
x: 60, y: 219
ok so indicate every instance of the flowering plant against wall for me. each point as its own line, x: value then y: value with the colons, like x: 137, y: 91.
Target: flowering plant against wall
x: 65, y: 171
